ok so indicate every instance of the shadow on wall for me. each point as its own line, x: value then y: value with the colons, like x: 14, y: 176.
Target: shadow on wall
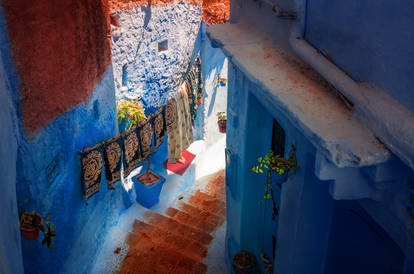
x: 213, y: 66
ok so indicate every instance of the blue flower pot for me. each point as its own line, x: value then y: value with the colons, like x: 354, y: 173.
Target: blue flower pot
x: 148, y: 195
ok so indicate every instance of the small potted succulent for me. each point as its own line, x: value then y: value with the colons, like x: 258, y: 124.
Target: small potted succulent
x: 222, y: 121
x: 31, y: 223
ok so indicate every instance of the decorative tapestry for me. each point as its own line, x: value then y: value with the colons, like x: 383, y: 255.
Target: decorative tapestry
x: 194, y: 86
x: 91, y: 164
x: 159, y: 128
x: 145, y: 134
x: 170, y: 115
x: 112, y: 158
x: 131, y: 150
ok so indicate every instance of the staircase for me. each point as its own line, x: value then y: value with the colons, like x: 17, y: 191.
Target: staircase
x: 177, y: 241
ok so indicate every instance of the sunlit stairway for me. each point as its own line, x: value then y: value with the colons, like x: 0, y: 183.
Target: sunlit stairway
x: 178, y: 240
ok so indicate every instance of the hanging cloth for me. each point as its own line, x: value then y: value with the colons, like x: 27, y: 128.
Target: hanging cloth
x: 199, y: 82
x: 145, y: 132
x: 112, y: 158
x: 158, y: 124
x: 194, y: 87
x: 180, y: 136
x: 132, y: 151
x: 91, y: 169
x: 170, y: 115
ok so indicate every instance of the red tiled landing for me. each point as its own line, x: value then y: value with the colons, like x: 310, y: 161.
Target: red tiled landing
x: 177, y: 242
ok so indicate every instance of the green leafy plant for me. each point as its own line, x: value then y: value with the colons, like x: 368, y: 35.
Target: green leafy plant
x: 275, y: 164
x: 221, y: 116
x: 131, y: 111
x: 30, y: 222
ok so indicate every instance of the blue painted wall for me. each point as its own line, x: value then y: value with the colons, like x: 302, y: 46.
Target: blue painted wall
x: 48, y: 181
x: 315, y: 234
x: 10, y: 247
x: 370, y: 40
x: 44, y: 172
x: 359, y: 245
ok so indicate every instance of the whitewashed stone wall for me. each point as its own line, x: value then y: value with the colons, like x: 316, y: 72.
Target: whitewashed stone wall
x: 153, y: 75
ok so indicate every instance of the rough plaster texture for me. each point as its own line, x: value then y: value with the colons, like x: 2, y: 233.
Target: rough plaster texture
x: 61, y: 49
x: 151, y: 74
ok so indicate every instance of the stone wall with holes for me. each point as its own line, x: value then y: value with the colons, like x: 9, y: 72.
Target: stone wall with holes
x: 152, y: 48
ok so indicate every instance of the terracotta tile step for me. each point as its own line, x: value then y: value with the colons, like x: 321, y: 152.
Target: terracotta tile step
x: 204, y: 196
x: 177, y: 228
x: 147, y: 256
x: 212, y: 204
x: 194, y: 221
x: 202, y: 214
x: 183, y: 245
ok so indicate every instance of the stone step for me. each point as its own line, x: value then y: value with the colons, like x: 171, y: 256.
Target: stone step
x: 216, y: 186
x: 202, y: 214
x: 148, y: 256
x: 183, y: 245
x: 209, y: 203
x: 177, y: 228
x: 188, y: 219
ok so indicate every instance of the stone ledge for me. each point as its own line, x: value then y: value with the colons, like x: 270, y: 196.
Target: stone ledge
x: 290, y: 86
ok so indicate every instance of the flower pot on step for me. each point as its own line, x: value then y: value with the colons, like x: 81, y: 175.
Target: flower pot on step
x: 243, y: 263
x: 222, y: 124
x: 148, y: 187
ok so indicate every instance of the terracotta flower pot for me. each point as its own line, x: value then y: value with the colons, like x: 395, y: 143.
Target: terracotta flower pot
x: 222, y: 125
x: 243, y: 263
x: 30, y: 225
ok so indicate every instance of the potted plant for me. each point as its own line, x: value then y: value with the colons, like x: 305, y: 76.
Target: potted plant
x: 222, y: 121
x: 148, y: 186
x: 31, y: 223
x: 277, y: 168
x: 129, y: 113
x: 244, y: 263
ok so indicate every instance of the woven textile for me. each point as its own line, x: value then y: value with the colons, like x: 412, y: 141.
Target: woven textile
x: 145, y: 132
x: 194, y: 87
x: 158, y: 124
x: 180, y: 136
x: 91, y: 169
x: 170, y: 115
x: 112, y: 158
x: 131, y: 148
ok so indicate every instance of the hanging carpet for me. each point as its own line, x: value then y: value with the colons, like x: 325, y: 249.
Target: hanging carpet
x: 91, y: 169
x: 132, y: 151
x: 145, y: 132
x: 112, y: 158
x: 194, y: 87
x: 159, y: 128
